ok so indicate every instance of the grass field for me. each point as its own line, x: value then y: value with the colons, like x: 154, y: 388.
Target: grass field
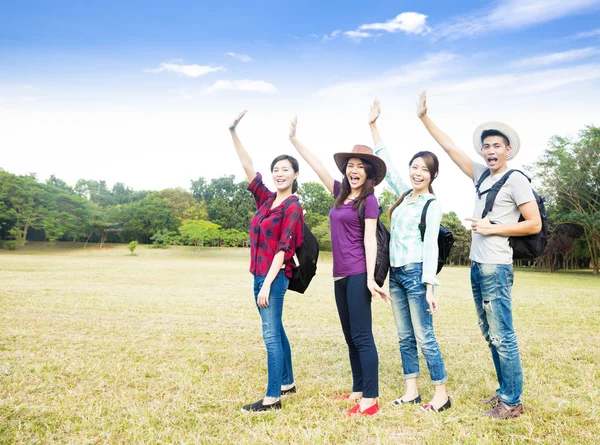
x: 97, y: 347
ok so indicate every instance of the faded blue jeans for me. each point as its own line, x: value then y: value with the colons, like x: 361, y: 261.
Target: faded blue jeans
x: 279, y: 353
x: 414, y: 323
x: 492, y: 284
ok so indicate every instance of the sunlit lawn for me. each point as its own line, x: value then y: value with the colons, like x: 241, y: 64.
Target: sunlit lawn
x: 97, y: 346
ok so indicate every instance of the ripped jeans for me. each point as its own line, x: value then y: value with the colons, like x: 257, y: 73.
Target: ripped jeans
x: 491, y: 285
x: 279, y: 354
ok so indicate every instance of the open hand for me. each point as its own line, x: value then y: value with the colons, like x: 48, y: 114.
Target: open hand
x: 433, y: 304
x: 375, y: 289
x: 237, y: 120
x: 422, y: 104
x: 374, y: 112
x: 263, y: 296
x: 293, y: 124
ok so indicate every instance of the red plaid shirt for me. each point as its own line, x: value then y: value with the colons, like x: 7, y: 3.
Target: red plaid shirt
x: 271, y: 231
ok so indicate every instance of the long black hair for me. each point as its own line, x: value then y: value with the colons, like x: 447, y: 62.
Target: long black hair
x: 433, y: 165
x: 368, y: 187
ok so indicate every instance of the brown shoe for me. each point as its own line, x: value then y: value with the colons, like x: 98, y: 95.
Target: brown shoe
x: 503, y: 411
x: 491, y: 401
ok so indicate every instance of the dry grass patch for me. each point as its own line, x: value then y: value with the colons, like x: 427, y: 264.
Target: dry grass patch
x: 165, y: 347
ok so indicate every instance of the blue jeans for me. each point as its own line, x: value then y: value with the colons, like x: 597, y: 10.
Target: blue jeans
x: 492, y: 284
x: 279, y: 354
x: 353, y: 301
x: 414, y: 323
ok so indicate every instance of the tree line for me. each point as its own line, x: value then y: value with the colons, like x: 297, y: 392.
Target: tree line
x: 218, y: 212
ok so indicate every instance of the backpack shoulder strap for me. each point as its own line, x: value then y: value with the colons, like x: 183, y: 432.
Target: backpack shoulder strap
x: 423, y: 224
x: 493, y: 192
x: 482, y: 178
x: 361, y: 214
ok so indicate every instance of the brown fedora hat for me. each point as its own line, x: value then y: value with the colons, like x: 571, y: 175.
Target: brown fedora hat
x: 365, y: 153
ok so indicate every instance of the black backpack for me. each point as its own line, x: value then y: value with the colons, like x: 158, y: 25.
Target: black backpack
x: 306, y: 258
x: 526, y: 247
x: 445, y: 239
x: 382, y: 262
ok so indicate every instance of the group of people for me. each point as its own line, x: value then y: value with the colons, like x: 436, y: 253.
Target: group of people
x: 276, y: 231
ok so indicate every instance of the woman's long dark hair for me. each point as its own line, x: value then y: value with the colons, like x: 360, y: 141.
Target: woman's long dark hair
x: 294, y: 162
x: 433, y: 165
x: 367, y: 188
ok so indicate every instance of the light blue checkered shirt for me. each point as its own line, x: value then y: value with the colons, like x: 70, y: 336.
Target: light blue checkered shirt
x: 405, y: 244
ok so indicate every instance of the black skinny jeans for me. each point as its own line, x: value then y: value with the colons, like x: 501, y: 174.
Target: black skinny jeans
x: 353, y: 301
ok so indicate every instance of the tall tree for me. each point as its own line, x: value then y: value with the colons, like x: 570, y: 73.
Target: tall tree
x: 570, y: 173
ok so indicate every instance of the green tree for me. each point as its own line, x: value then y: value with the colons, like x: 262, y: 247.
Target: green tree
x: 315, y: 198
x: 182, y: 204
x: 142, y: 219
x: 569, y: 171
x: 229, y: 204
x: 132, y: 246
x: 197, y: 232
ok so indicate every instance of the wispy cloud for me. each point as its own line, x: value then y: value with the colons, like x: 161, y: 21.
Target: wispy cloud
x: 512, y: 14
x: 586, y: 34
x: 254, y: 86
x: 357, y: 36
x: 507, y: 85
x: 241, y: 57
x: 411, y: 74
x: 407, y: 22
x: 331, y: 36
x: 185, y: 70
x: 556, y: 58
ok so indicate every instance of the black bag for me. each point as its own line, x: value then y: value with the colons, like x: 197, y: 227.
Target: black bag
x: 526, y: 247
x: 445, y: 239
x: 382, y: 262
x: 305, y: 260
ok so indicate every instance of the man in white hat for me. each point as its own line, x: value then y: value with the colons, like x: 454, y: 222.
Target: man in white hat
x: 491, y: 253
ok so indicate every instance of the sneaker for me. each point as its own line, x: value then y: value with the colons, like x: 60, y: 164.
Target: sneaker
x: 287, y: 392
x: 494, y: 400
x: 503, y: 411
x: 259, y: 407
x: 444, y: 407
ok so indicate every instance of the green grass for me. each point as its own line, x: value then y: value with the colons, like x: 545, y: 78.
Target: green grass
x: 99, y: 347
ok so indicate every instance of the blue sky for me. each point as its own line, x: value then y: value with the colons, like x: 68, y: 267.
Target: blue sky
x: 142, y: 92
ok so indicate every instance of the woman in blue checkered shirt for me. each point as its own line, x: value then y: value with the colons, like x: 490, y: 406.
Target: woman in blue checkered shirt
x: 413, y: 260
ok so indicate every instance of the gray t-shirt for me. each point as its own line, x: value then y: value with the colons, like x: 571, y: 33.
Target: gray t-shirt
x: 495, y: 249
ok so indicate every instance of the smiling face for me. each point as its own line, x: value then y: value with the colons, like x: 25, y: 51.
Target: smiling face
x: 420, y: 176
x: 495, y: 152
x: 356, y: 173
x: 284, y: 175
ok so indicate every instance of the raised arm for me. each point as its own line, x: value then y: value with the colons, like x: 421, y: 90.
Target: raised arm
x: 245, y: 158
x: 458, y: 156
x: 373, y: 116
x: 314, y: 162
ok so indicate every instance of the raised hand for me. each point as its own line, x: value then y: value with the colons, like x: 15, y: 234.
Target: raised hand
x: 422, y: 104
x: 237, y: 120
x: 375, y: 112
x: 293, y: 124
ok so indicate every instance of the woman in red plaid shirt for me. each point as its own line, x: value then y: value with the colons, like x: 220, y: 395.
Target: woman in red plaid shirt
x: 276, y: 232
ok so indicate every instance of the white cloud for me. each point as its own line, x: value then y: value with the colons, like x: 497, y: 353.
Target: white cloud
x: 241, y: 57
x: 556, y: 58
x: 586, y: 34
x: 512, y: 14
x: 357, y: 36
x: 408, y: 22
x: 331, y: 36
x: 255, y: 86
x: 186, y: 70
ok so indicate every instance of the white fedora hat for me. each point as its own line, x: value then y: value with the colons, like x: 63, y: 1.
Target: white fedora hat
x: 511, y: 135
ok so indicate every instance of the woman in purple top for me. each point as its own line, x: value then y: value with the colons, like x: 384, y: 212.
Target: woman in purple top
x: 354, y: 253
